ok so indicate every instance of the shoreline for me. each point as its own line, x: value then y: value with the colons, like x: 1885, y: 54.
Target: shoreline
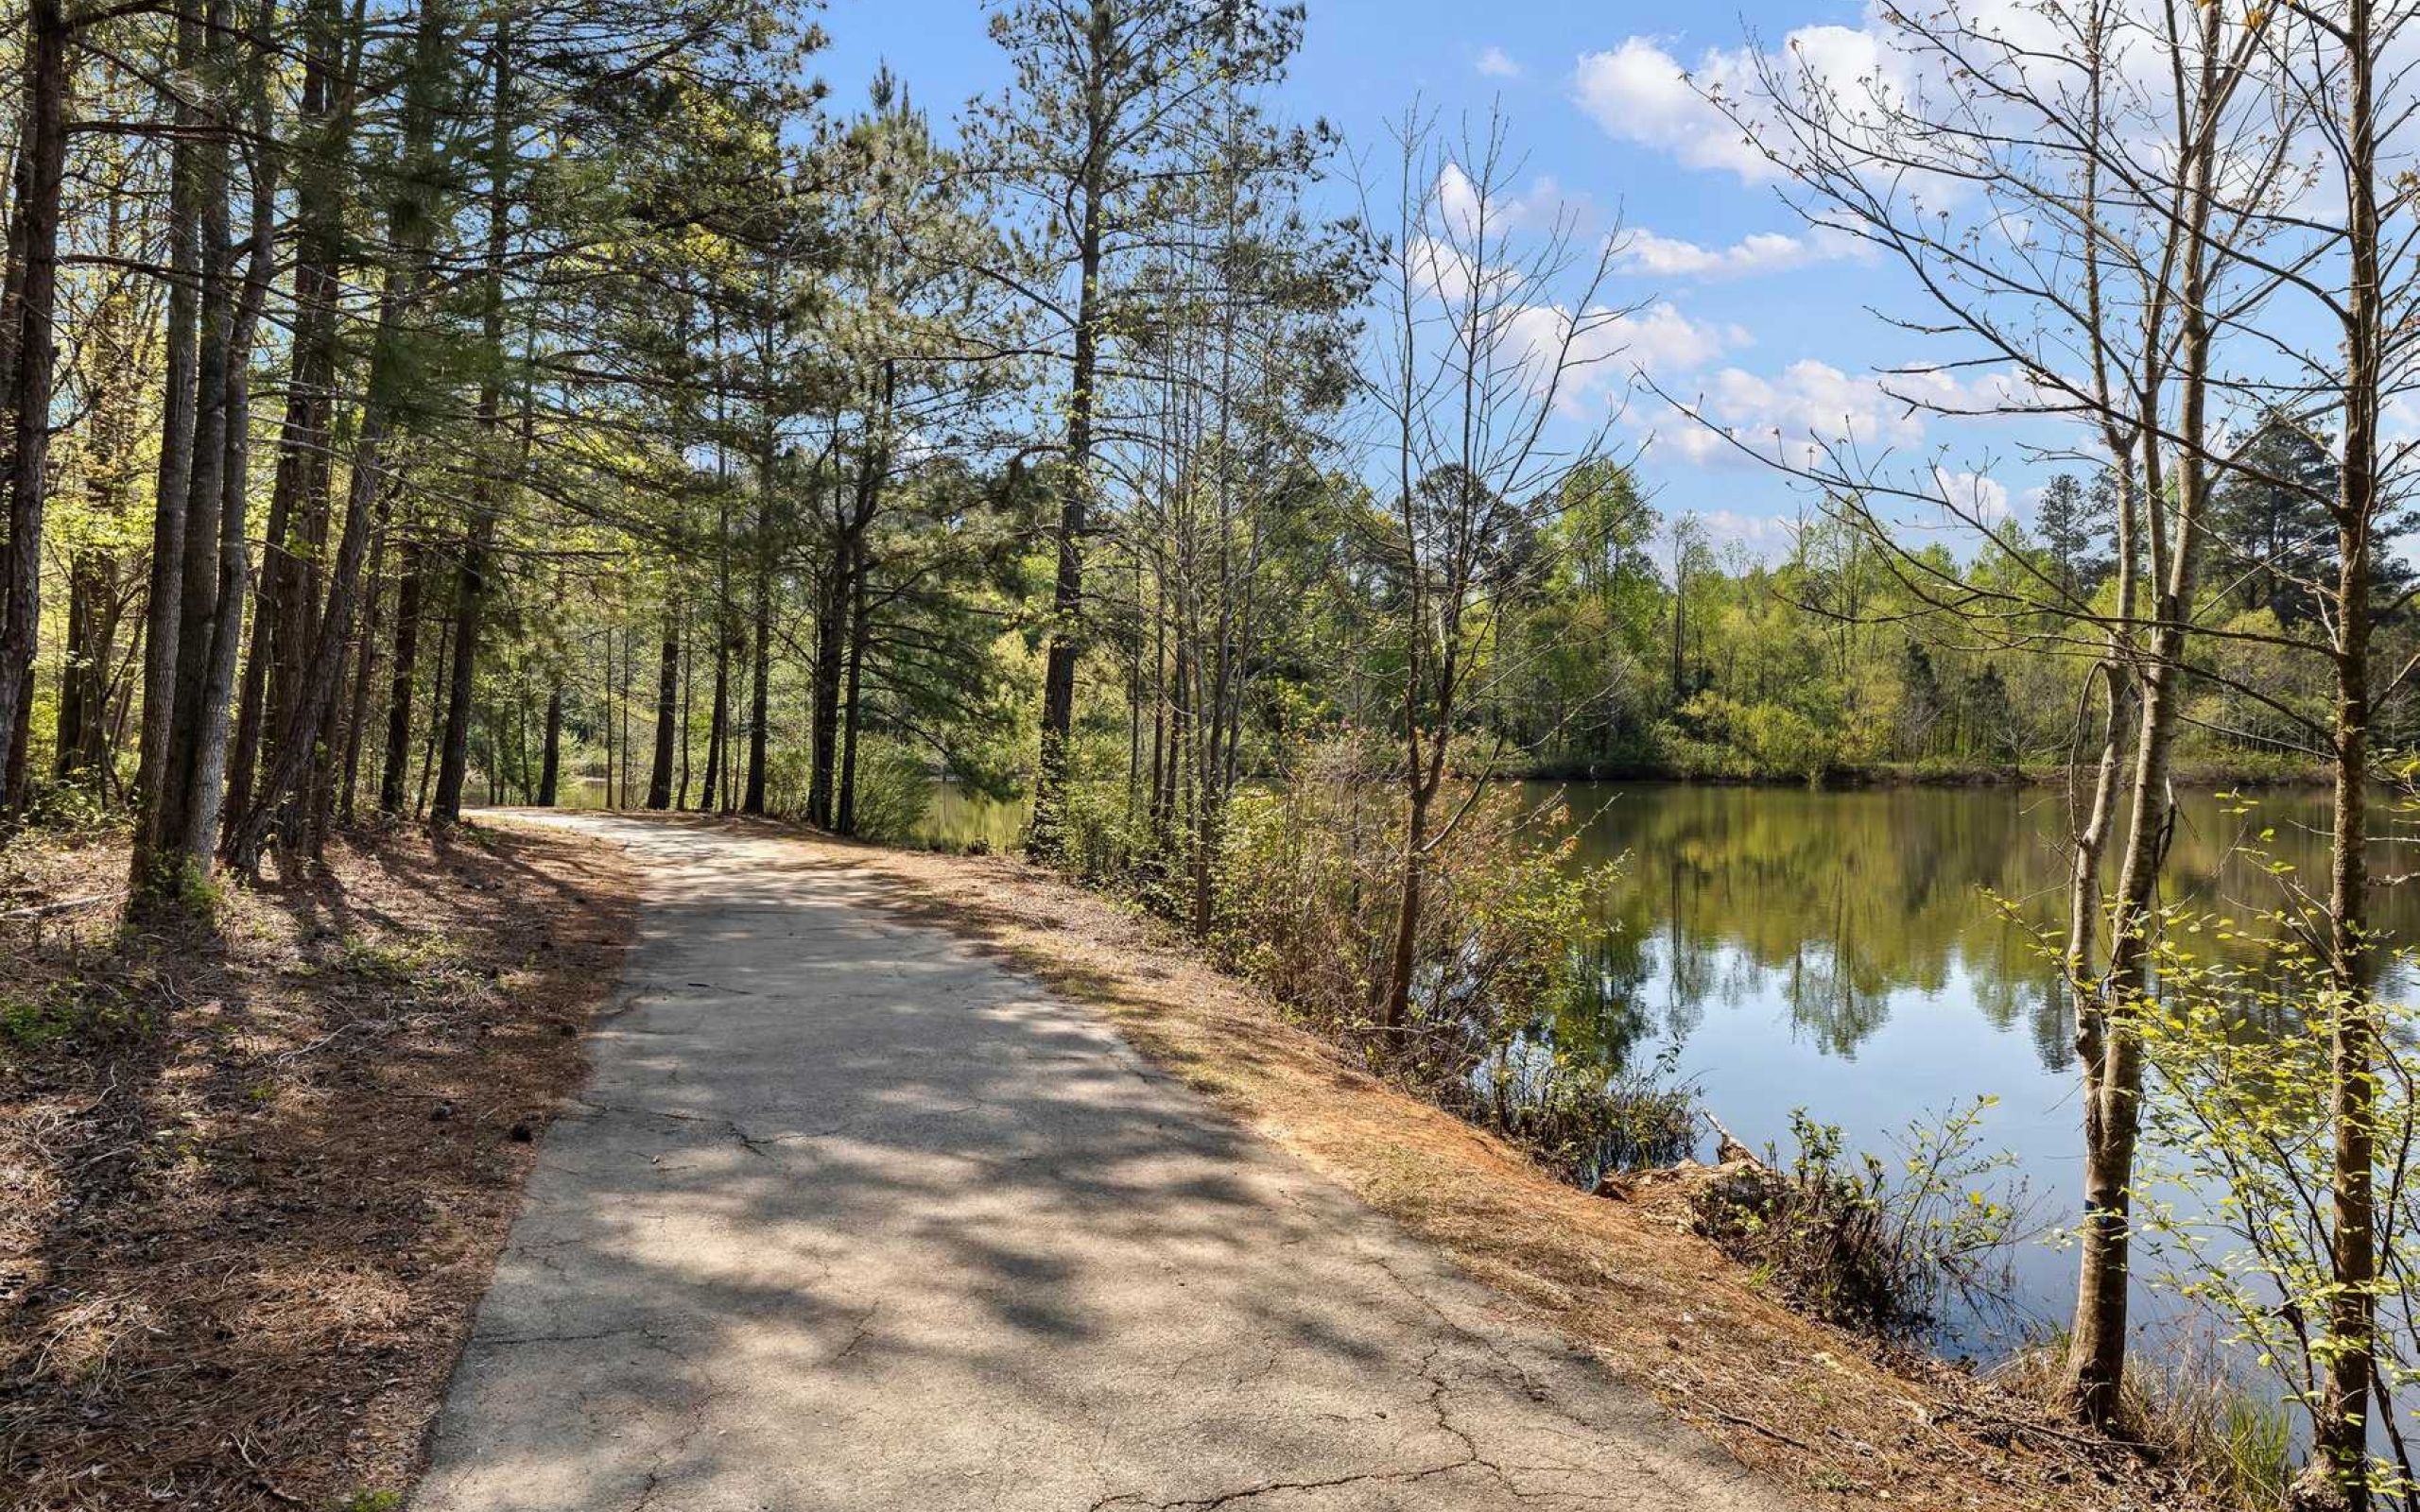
x: 2190, y: 774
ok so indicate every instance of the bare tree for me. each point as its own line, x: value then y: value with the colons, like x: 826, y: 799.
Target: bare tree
x: 2346, y: 251
x: 2074, y: 190
x: 1476, y: 383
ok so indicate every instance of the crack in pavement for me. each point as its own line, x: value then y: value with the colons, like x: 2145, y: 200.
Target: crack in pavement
x: 756, y: 1144
x: 505, y: 1341
x: 673, y: 1451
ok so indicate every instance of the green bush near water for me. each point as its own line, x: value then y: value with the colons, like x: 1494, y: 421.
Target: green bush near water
x: 1861, y: 1242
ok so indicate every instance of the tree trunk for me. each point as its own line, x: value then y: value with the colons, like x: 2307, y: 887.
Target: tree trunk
x: 1396, y: 1012
x: 2340, y: 1438
x: 441, y: 670
x: 761, y: 649
x: 365, y: 674
x: 396, y: 769
x: 1066, y: 598
x: 410, y: 226
x: 111, y: 437
x: 688, y: 692
x: 83, y: 675
x: 845, y: 821
x: 667, y: 703
x: 207, y: 744
x: 31, y: 348
x: 470, y: 590
x: 551, y: 763
x: 831, y: 659
x: 154, y: 877
x: 205, y: 489
x: 287, y: 596
x: 2108, y: 1036
x: 470, y: 586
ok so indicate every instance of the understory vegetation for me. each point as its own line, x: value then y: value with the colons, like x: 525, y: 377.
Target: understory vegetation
x: 1872, y: 1244
x: 1302, y: 907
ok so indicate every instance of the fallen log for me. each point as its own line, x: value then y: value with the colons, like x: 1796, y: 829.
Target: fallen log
x: 63, y: 905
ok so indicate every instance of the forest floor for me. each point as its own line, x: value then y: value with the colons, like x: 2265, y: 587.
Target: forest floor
x: 252, y: 1189
x: 1828, y: 1413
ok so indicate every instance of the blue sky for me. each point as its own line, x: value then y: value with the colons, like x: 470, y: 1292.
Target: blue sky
x: 1777, y: 334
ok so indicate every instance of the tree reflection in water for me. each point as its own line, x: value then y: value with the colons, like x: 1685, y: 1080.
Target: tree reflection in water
x: 1842, y: 908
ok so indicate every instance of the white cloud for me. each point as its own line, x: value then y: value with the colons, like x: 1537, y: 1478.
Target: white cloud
x: 1798, y: 417
x: 2401, y: 421
x: 1600, y: 348
x: 1814, y: 417
x: 1496, y: 63
x: 1766, y: 537
x: 1544, y: 204
x: 1638, y: 92
x: 1660, y: 339
x: 1441, y: 270
x: 1974, y: 495
x: 1656, y: 256
x: 1600, y: 351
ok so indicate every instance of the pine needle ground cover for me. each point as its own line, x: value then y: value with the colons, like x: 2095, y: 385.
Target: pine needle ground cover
x: 251, y: 1188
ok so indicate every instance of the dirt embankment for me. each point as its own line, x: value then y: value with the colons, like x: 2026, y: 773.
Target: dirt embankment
x: 1817, y: 1409
x: 252, y: 1189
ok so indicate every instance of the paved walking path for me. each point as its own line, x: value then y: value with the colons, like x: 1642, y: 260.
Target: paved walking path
x: 851, y: 1218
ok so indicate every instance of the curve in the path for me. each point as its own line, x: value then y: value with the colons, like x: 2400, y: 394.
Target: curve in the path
x: 851, y: 1218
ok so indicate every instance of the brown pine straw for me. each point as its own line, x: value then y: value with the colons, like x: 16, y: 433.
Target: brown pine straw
x: 247, y: 1207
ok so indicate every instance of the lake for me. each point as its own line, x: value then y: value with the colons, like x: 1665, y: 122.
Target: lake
x: 1840, y: 951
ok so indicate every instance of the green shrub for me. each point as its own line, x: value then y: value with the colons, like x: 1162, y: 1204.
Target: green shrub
x: 1857, y: 1242
x: 2187, y: 1400
x: 1309, y: 884
x: 1105, y: 836
x: 37, y: 1017
x: 1578, y: 1117
x: 36, y: 1020
x: 894, y: 790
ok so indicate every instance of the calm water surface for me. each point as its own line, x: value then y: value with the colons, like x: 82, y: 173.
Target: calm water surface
x: 1840, y: 951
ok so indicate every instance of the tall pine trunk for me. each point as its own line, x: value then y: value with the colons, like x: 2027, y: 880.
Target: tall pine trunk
x: 1067, y: 587
x: 761, y: 638
x: 155, y: 880
x: 487, y: 489
x: 207, y: 742
x: 411, y: 224
x: 846, y: 819
x: 551, y: 763
x: 31, y: 349
x: 403, y: 680
x: 297, y: 527
x: 830, y: 655
x: 667, y: 704
x: 365, y: 676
